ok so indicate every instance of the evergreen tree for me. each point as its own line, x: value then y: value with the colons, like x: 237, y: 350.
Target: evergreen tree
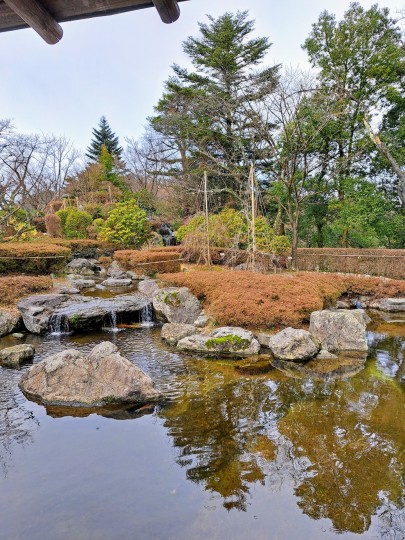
x: 103, y: 136
x: 210, y: 110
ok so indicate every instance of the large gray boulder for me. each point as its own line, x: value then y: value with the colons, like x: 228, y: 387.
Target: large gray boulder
x: 176, y: 304
x: 9, y: 322
x: 292, y: 344
x: 340, y: 330
x: 174, y: 332
x: 227, y: 341
x: 14, y: 356
x: 389, y: 304
x: 83, y: 267
x: 148, y: 287
x: 115, y: 271
x: 36, y: 310
x: 74, y: 379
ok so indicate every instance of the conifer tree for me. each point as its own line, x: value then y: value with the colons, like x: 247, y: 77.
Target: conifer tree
x: 103, y: 136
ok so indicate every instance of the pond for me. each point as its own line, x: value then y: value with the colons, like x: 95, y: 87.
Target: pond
x: 226, y: 456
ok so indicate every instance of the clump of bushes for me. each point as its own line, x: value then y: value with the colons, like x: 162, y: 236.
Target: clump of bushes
x: 148, y: 261
x: 126, y: 226
x: 32, y: 257
x: 53, y: 225
x: 12, y: 288
x: 269, y: 301
x: 230, y: 229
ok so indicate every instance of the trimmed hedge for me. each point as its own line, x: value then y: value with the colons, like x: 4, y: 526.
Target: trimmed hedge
x: 254, y: 300
x: 12, y: 288
x: 32, y: 257
x: 148, y: 261
x: 377, y: 262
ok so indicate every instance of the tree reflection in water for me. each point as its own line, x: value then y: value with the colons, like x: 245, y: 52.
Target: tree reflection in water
x: 342, y: 442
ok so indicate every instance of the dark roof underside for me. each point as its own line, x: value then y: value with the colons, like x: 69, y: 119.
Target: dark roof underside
x: 71, y: 10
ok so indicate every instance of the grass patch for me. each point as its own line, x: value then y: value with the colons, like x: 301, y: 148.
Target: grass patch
x: 234, y: 298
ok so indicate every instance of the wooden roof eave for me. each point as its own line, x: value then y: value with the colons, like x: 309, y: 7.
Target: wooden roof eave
x: 44, y: 15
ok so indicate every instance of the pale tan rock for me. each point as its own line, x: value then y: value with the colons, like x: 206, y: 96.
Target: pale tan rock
x: 73, y: 379
x: 174, y: 332
x: 294, y: 344
x: 14, y: 356
x: 340, y: 330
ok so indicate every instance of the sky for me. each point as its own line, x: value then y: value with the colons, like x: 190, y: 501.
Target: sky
x: 115, y: 66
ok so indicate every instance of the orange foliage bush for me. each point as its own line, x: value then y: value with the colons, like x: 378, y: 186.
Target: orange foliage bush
x: 32, y: 257
x: 148, y: 262
x: 12, y: 288
x: 264, y: 301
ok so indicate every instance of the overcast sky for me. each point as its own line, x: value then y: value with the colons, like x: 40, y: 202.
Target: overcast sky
x: 115, y: 66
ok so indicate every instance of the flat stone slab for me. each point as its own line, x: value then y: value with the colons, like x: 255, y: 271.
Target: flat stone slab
x: 14, y: 356
x: 111, y: 282
x: 72, y: 378
x: 389, y: 304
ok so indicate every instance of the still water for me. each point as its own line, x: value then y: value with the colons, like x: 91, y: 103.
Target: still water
x: 226, y: 456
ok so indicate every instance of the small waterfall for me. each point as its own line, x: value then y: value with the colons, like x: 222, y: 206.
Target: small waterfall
x: 147, y: 315
x: 59, y: 324
x: 113, y: 322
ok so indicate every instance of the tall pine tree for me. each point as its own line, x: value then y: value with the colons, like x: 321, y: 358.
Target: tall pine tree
x: 103, y: 136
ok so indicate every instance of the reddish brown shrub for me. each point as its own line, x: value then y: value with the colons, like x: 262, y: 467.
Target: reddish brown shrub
x: 148, y: 262
x: 12, y: 288
x: 256, y: 300
x: 53, y: 225
x: 32, y: 257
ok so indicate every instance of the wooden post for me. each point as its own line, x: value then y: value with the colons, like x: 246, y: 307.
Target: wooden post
x: 35, y: 15
x: 207, y: 230
x: 253, y: 202
x: 168, y: 10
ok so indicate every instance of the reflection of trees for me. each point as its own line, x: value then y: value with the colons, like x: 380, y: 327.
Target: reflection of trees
x: 215, y: 426
x: 354, y: 441
x: 16, y: 422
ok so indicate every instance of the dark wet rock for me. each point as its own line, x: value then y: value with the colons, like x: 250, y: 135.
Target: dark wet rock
x: 83, y: 267
x: 176, y: 304
x: 293, y: 344
x: 174, y: 332
x: 227, y: 341
x: 14, y: 356
x: 9, y: 322
x: 46, y: 311
x: 388, y: 304
x: 344, y: 366
x: 340, y: 330
x: 115, y: 282
x: 148, y: 287
x: 74, y: 379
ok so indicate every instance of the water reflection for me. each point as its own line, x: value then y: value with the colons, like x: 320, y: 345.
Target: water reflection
x: 332, y: 444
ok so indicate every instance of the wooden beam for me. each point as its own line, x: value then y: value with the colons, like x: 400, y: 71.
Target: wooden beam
x: 168, y: 10
x: 34, y: 14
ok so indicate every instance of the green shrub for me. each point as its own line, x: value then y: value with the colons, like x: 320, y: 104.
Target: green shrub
x: 125, y: 226
x: 62, y: 215
x: 77, y: 222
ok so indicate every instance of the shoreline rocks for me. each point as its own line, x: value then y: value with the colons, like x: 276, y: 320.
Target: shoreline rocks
x: 340, y: 330
x: 294, y: 345
x: 9, y: 322
x: 226, y: 341
x: 176, y: 305
x: 172, y: 333
x: 13, y: 357
x: 74, y: 379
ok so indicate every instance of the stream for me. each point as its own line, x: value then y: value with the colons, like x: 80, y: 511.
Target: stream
x: 226, y: 455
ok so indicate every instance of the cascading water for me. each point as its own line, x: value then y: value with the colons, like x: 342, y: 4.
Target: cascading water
x: 59, y: 325
x: 147, y: 316
x: 113, y: 322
